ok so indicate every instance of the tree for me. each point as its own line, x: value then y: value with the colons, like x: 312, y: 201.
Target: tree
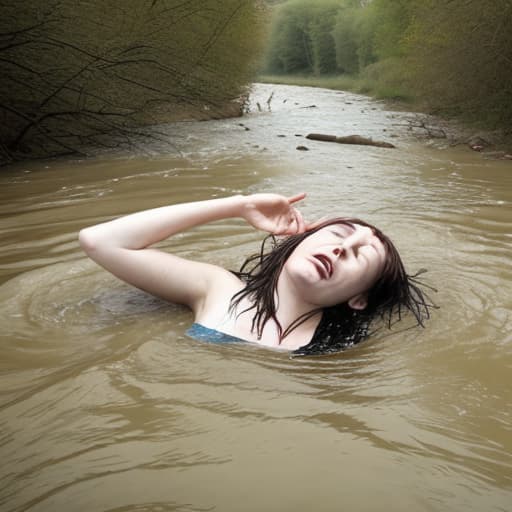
x: 91, y: 72
x: 301, y: 37
x: 461, y: 57
x: 347, y: 39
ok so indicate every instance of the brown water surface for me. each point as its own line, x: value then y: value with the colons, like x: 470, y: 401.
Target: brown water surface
x: 105, y: 404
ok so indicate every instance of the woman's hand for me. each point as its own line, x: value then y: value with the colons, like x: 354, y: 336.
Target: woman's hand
x: 274, y: 213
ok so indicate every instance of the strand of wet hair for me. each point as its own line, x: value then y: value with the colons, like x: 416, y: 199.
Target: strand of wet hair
x: 260, y: 290
x: 257, y: 289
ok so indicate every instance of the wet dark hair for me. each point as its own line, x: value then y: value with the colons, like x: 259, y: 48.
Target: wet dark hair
x: 340, y: 326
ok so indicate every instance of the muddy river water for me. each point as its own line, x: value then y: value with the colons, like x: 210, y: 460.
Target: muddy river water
x: 105, y: 404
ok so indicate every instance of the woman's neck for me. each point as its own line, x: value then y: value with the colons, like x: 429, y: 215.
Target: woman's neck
x: 290, y: 309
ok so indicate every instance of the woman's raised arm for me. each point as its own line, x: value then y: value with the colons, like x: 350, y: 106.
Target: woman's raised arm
x: 122, y: 246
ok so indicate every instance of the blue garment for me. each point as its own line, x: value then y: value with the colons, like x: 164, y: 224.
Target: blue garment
x: 202, y: 333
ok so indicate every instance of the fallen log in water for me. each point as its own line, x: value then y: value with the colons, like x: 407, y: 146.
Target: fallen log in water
x: 349, y: 139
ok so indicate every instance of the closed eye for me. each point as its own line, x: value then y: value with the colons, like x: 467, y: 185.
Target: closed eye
x: 338, y: 234
x: 370, y: 246
x: 342, y: 231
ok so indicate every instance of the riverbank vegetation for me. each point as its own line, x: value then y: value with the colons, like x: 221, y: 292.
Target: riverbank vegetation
x: 450, y: 58
x: 78, y: 74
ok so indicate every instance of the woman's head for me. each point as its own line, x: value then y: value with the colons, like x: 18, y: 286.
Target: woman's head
x: 344, y: 267
x: 336, y: 263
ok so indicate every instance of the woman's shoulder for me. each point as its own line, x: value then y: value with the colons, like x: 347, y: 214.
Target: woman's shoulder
x: 222, y: 285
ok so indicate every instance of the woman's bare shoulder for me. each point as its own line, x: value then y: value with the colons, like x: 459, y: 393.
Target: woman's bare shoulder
x: 222, y: 285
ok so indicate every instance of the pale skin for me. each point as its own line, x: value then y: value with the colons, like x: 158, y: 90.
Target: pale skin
x: 333, y: 265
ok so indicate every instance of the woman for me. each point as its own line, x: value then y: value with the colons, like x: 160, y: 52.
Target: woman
x: 315, y: 291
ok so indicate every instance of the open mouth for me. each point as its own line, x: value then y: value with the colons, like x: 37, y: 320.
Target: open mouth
x: 323, y: 265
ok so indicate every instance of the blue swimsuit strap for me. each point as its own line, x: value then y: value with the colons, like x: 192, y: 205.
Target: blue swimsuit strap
x: 202, y: 333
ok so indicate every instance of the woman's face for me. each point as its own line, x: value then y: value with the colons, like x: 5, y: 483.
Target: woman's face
x: 336, y: 264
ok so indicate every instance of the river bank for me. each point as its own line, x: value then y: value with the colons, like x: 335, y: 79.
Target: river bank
x: 156, y: 114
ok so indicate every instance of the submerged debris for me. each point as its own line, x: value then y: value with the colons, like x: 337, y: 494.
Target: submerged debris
x: 350, y: 139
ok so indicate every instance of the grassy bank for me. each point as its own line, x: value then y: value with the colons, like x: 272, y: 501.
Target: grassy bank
x: 352, y: 83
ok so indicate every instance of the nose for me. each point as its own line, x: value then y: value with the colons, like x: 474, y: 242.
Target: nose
x: 351, y: 243
x: 344, y: 251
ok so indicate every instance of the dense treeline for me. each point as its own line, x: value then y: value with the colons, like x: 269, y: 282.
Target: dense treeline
x: 91, y: 72
x: 455, y: 56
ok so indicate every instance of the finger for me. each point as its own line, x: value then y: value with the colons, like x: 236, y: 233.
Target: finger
x: 296, y: 197
x: 280, y: 225
x: 294, y: 224
x: 301, y: 226
x: 287, y: 226
x: 280, y: 231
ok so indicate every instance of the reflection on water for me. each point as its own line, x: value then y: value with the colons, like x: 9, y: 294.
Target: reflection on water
x: 106, y: 405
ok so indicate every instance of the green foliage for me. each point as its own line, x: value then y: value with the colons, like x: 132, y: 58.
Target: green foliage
x: 365, y: 24
x: 301, y: 39
x: 460, y: 54
x: 389, y: 19
x: 339, y: 82
x: 455, y: 56
x: 347, y: 40
x: 387, y: 79
x: 290, y: 46
x: 322, y: 46
x: 75, y: 73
